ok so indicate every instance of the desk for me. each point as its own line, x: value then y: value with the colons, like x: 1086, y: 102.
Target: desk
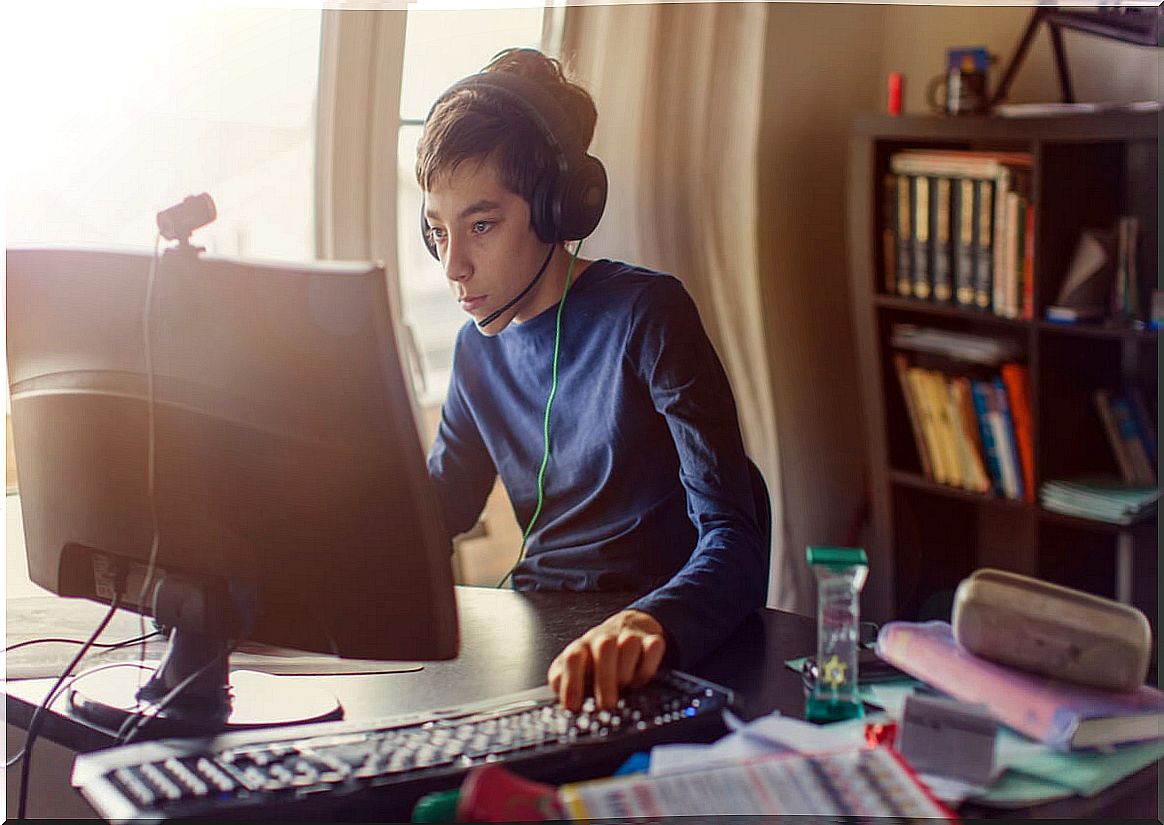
x: 508, y: 641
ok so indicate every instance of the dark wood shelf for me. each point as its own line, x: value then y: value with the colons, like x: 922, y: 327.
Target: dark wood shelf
x: 1086, y: 171
x: 920, y: 482
x: 1051, y: 517
x: 929, y: 308
x: 1098, y: 331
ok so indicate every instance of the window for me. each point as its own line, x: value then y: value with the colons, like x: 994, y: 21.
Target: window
x: 116, y: 111
x: 440, y: 47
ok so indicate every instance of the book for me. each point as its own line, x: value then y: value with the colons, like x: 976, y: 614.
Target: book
x: 904, y: 251
x: 912, y: 407
x: 1145, y: 423
x: 1086, y: 288
x: 1005, y: 283
x: 979, y: 480
x: 980, y: 393
x: 943, y: 287
x: 920, y: 386
x: 1028, y: 292
x: 1059, y: 714
x: 963, y: 222
x: 1133, y: 446
x: 947, y: 437
x: 1008, y: 446
x: 1016, y: 379
x: 1126, y: 299
x: 1114, y: 438
x: 959, y: 346
x: 920, y: 240
x: 983, y: 243
x: 1099, y: 498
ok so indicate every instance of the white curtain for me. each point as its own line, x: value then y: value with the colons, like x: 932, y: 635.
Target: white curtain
x: 679, y: 93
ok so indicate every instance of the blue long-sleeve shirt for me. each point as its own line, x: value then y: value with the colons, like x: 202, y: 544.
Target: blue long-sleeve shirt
x: 647, y: 489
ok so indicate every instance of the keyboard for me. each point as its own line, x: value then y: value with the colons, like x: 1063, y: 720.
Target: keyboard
x: 379, y: 769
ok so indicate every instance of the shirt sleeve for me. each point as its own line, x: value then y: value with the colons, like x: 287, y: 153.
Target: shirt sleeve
x: 726, y: 576
x: 459, y: 464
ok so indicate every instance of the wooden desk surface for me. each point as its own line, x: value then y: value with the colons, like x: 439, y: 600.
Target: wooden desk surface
x: 507, y: 642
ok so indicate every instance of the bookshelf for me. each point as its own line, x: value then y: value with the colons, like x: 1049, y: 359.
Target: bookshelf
x: 1085, y: 171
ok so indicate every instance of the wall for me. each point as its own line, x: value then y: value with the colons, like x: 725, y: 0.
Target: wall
x: 826, y: 64
x: 916, y: 37
x: 822, y: 66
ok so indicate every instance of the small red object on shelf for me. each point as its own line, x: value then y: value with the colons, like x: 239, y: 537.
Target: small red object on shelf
x: 895, y: 90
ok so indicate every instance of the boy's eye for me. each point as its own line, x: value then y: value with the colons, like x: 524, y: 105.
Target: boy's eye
x: 436, y: 233
x: 481, y: 226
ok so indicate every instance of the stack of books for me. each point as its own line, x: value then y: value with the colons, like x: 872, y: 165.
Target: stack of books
x: 971, y: 420
x: 959, y: 229
x: 1062, y: 715
x: 1099, y: 498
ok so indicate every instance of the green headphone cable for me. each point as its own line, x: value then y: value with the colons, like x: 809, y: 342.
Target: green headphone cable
x: 546, y: 421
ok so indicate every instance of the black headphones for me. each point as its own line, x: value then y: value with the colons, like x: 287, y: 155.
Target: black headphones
x: 566, y: 206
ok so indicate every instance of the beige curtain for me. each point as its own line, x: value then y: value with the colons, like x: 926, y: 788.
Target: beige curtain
x: 679, y: 91
x: 361, y: 65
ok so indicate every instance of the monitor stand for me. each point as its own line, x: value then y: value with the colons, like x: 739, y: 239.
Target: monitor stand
x: 213, y: 699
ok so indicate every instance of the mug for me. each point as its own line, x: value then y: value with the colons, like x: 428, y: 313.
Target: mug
x: 964, y: 92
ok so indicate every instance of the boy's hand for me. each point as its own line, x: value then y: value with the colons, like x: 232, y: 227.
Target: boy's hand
x: 625, y: 650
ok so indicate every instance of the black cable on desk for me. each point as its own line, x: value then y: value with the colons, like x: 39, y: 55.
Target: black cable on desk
x: 62, y: 640
x: 38, y: 715
x: 52, y: 697
x: 133, y: 725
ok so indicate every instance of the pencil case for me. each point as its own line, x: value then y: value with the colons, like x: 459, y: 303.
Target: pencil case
x: 1052, y: 630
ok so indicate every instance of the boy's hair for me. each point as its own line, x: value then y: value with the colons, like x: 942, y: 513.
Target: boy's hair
x: 472, y: 124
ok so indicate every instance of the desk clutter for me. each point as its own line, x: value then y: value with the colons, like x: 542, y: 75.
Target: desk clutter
x: 1059, y: 710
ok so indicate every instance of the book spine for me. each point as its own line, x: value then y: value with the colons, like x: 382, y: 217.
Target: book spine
x: 1015, y: 377
x: 964, y: 256
x: 983, y: 243
x: 998, y: 282
x: 954, y: 413
x: 1009, y: 449
x: 1010, y: 252
x: 1144, y: 421
x: 939, y: 399
x: 921, y: 392
x: 969, y: 423
x: 979, y: 393
x: 1133, y: 446
x: 1107, y: 417
x: 889, y: 233
x: 921, y: 237
x: 901, y: 367
x: 943, y: 290
x: 1029, y: 264
x: 965, y: 677
x: 904, y: 236
x: 1018, y: 251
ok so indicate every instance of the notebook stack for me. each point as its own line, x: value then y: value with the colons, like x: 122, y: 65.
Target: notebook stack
x: 1099, y: 498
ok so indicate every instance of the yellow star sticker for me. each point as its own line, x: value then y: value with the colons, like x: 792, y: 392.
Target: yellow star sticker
x: 834, y: 672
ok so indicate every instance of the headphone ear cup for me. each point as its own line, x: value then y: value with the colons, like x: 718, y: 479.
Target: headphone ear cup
x: 424, y: 233
x: 544, y: 208
x: 583, y: 199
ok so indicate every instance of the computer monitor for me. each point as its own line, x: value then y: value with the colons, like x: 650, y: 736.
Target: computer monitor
x: 289, y: 491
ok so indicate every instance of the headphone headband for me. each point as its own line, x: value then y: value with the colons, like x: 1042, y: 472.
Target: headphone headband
x: 568, y: 207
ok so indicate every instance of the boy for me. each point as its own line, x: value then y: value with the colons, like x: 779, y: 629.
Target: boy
x: 589, y: 386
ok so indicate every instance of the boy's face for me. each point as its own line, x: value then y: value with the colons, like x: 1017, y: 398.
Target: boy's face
x: 484, y: 241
